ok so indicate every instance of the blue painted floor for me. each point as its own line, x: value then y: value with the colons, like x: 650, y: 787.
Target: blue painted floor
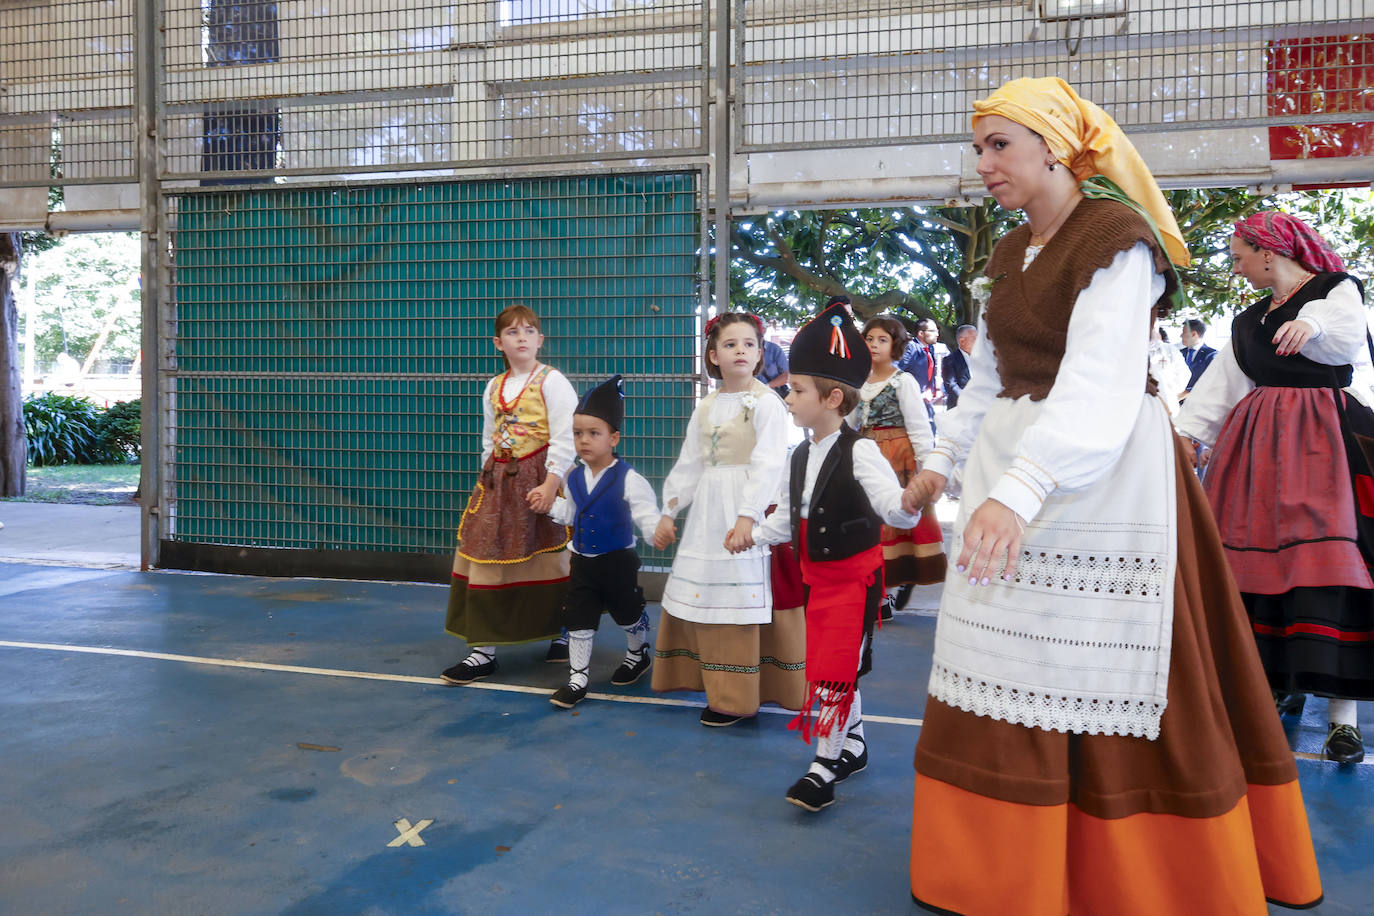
x: 136, y: 783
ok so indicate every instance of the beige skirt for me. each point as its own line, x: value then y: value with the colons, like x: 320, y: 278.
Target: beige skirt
x: 739, y: 666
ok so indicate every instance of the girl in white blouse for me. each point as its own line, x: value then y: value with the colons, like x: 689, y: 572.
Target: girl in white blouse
x: 719, y: 632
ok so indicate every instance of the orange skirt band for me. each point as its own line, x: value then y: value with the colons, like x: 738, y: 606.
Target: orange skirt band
x: 979, y: 856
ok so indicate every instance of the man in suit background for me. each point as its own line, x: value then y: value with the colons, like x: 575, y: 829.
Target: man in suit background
x: 954, y: 367
x: 1196, y: 354
x: 923, y: 361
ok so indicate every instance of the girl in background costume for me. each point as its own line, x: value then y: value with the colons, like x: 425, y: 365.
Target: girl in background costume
x: 1288, y: 478
x: 510, y: 572
x: 719, y: 632
x: 1099, y: 736
x: 892, y: 413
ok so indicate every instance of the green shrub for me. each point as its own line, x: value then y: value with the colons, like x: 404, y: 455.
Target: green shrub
x: 62, y: 429
x: 118, y: 431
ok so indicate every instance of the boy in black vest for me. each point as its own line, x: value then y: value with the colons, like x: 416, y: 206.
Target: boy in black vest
x: 606, y: 498
x: 840, y: 493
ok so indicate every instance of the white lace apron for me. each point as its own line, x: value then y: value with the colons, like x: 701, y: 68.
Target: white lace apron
x: 1080, y: 641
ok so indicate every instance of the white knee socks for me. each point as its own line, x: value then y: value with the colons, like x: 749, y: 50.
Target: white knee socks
x: 636, y: 639
x: 480, y: 655
x: 579, y: 656
x: 854, y: 732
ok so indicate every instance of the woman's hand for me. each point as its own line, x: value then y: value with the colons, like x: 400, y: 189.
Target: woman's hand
x: 741, y: 537
x: 665, y: 533
x: 1292, y: 336
x: 540, y: 499
x: 923, y: 489
x: 992, y: 538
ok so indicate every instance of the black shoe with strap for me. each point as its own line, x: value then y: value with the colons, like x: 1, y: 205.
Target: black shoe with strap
x: 812, y: 793
x: 851, y: 763
x: 469, y: 670
x: 558, y: 652
x: 1344, y: 743
x: 629, y: 672
x: 568, y: 696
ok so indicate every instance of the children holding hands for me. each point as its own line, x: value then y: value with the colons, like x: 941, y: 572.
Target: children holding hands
x: 840, y: 492
x: 606, y: 499
x: 719, y: 632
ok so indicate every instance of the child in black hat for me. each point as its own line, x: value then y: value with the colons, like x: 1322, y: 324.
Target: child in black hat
x: 840, y: 493
x: 605, y: 498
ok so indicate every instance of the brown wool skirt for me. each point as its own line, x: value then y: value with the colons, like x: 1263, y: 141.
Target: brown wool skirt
x: 510, y: 571
x: 739, y: 666
x: 1206, y: 819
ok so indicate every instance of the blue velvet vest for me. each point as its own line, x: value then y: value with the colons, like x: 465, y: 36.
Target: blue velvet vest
x: 603, y: 520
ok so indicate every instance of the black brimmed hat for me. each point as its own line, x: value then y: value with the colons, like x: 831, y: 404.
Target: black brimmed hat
x: 829, y: 346
x: 606, y: 401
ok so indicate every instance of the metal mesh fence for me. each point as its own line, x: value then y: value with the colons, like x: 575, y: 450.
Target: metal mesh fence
x: 256, y: 89
x: 314, y: 88
x: 66, y: 92
x: 838, y: 73
x: 333, y: 343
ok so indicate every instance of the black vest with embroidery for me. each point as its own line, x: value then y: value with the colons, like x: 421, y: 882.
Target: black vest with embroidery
x: 841, y: 522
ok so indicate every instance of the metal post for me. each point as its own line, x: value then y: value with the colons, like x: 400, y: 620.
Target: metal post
x: 148, y: 52
x: 721, y: 166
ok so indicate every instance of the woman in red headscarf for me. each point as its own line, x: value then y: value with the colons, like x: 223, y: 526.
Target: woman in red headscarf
x: 1289, y: 477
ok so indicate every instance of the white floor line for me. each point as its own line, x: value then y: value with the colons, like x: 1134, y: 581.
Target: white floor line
x: 434, y: 681
x: 398, y: 678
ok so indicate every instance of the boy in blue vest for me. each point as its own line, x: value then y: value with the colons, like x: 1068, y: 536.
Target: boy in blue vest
x: 606, y: 498
x: 840, y: 492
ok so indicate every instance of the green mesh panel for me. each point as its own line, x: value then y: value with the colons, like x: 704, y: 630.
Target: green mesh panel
x: 332, y: 343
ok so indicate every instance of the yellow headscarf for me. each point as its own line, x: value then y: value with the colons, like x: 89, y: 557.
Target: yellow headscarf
x: 1088, y: 142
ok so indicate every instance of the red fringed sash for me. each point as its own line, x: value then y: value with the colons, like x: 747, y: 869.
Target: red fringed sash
x: 834, y: 634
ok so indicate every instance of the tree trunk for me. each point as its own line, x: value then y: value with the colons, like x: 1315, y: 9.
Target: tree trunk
x: 14, y: 446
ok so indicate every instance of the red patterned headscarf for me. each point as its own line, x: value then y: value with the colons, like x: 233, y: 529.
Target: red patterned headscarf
x: 1290, y: 237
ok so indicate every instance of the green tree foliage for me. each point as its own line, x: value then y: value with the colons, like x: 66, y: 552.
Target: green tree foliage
x: 921, y: 260
x: 80, y: 286
x: 917, y: 260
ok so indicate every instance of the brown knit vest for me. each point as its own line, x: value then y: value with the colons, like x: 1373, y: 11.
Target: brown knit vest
x: 1028, y: 313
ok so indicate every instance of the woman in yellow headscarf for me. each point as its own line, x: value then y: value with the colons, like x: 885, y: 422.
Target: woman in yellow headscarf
x: 1099, y: 736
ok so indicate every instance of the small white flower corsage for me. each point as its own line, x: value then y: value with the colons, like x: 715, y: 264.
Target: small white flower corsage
x: 748, y: 402
x: 981, y: 288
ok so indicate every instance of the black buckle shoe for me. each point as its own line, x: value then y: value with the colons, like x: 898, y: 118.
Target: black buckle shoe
x: 1290, y: 704
x: 811, y: 793
x: 568, y: 696
x: 627, y: 673
x: 1344, y: 743
x: 465, y: 672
